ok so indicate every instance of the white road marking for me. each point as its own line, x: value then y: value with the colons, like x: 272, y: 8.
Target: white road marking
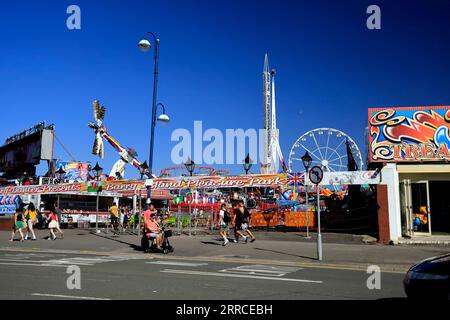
x: 263, y: 270
x: 175, y: 263
x: 31, y: 265
x: 218, y: 274
x: 80, y: 261
x: 69, y: 297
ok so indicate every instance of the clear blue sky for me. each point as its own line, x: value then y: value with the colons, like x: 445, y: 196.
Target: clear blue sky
x: 331, y: 68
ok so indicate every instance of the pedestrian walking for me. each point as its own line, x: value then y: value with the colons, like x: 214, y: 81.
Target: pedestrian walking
x: 233, y: 221
x: 126, y: 218
x: 17, y: 225
x: 31, y: 219
x: 59, y: 217
x: 245, y: 222
x: 114, y: 211
x: 241, y: 223
x: 224, y: 220
x: 53, y: 224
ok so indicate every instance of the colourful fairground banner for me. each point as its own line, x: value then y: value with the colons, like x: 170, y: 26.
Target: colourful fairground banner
x: 411, y: 134
x: 120, y: 186
x: 129, y: 187
x: 211, y: 182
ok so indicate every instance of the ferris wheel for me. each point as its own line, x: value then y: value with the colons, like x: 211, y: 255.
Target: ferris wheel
x: 327, y: 148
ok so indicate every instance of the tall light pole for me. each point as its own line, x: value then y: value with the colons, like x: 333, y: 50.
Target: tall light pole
x: 98, y: 171
x: 145, y: 45
x: 190, y: 165
x: 307, y: 160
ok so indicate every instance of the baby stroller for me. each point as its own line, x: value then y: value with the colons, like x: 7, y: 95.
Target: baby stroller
x: 148, y: 243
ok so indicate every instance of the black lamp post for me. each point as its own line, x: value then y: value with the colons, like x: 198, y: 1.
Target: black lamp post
x: 307, y: 160
x: 60, y: 174
x: 98, y: 172
x: 145, y: 45
x: 190, y: 165
x: 248, y: 162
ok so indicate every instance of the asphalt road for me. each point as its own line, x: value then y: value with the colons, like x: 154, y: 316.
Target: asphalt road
x: 43, y: 275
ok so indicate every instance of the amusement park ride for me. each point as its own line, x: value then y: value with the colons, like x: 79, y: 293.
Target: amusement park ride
x: 126, y: 155
x: 272, y: 150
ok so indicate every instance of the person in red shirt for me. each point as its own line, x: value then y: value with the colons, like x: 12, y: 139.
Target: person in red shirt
x: 151, y: 225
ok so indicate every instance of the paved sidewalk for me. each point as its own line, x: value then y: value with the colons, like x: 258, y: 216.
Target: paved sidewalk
x: 271, y: 248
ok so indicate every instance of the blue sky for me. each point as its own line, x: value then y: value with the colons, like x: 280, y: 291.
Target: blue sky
x: 331, y: 68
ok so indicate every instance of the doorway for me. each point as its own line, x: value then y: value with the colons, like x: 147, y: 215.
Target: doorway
x: 440, y: 207
x: 415, y: 208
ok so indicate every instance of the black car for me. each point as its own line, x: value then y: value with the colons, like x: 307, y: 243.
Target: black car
x: 429, y: 279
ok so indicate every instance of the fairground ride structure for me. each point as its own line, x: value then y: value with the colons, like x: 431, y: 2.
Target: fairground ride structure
x: 272, y: 150
x: 179, y: 171
x: 126, y: 155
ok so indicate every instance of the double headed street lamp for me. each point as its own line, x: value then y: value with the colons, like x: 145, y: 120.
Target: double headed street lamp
x: 145, y: 45
x: 248, y: 162
x: 98, y: 172
x: 307, y: 160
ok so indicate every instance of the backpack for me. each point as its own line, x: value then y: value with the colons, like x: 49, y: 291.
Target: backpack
x: 226, y: 217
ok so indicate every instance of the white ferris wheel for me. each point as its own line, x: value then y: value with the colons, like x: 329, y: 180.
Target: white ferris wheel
x: 327, y: 148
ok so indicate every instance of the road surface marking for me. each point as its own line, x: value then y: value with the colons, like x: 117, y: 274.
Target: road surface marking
x: 31, y: 265
x: 64, y: 296
x: 262, y: 270
x: 176, y: 263
x: 80, y: 261
x: 218, y: 274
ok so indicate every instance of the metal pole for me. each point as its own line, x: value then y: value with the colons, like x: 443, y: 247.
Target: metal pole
x: 319, y: 236
x: 155, y: 83
x: 139, y: 216
x: 96, y: 216
x: 307, y: 205
x: 190, y: 218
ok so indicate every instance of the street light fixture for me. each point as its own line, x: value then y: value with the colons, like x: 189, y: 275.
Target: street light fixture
x: 248, y: 162
x: 307, y: 160
x: 98, y: 172
x: 60, y: 174
x: 143, y: 169
x: 190, y: 165
x: 163, y: 118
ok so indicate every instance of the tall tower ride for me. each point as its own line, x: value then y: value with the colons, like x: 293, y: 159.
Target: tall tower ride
x: 272, y: 151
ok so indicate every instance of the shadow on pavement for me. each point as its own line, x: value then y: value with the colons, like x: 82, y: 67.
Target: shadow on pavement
x: 284, y: 253
x: 131, y: 245
x: 210, y: 242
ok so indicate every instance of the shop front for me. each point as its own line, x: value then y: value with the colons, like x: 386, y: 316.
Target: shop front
x: 424, y: 197
x: 411, y: 146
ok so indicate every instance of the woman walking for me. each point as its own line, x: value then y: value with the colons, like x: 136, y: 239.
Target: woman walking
x: 18, y: 225
x: 53, y: 218
x: 31, y: 218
